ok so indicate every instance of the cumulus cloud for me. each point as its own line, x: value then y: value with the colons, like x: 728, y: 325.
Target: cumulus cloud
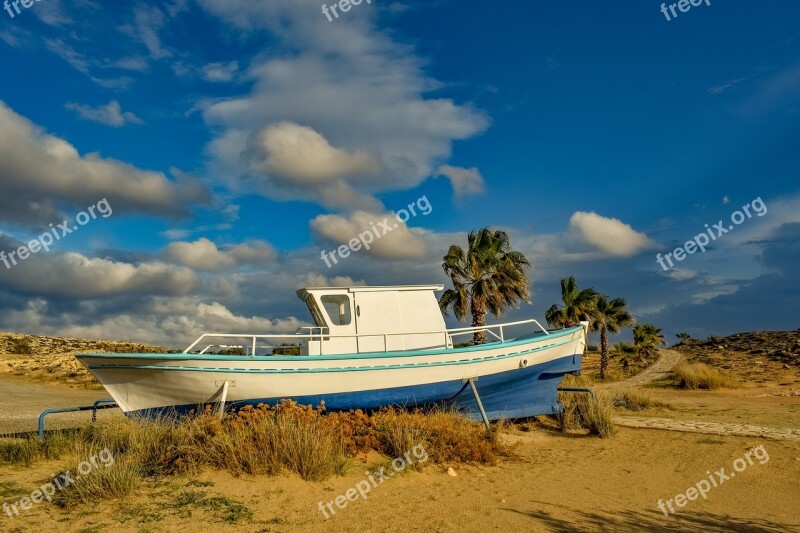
x: 298, y: 153
x: 465, y: 181
x: 73, y: 276
x: 361, y: 96
x: 110, y: 114
x: 610, y: 235
x: 167, y: 322
x: 203, y: 254
x: 399, y: 243
x: 41, y: 174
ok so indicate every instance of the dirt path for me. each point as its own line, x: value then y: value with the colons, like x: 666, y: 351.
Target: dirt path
x: 712, y: 428
x: 24, y: 401
x: 657, y: 371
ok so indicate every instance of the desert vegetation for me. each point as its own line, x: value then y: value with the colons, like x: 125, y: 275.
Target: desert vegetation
x: 703, y: 376
x: 253, y: 440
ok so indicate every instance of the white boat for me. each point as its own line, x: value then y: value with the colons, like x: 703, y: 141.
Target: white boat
x: 370, y: 347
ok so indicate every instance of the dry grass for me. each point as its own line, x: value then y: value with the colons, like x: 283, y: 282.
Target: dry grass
x: 636, y: 400
x: 29, y: 450
x: 702, y: 376
x: 587, y: 411
x: 253, y: 440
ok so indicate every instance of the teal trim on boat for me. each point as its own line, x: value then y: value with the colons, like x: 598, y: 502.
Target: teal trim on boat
x: 323, y: 370
x: 373, y: 355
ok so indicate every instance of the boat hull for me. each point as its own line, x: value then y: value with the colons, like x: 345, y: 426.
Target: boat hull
x: 514, y: 379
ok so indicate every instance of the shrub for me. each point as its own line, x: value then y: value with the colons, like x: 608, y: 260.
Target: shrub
x: 29, y: 450
x: 587, y: 411
x: 118, y: 480
x: 702, y: 376
x: 21, y: 347
x: 634, y: 400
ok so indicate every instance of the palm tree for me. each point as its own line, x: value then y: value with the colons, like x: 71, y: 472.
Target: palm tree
x: 489, y: 276
x: 578, y: 305
x: 609, y: 316
x: 647, y: 338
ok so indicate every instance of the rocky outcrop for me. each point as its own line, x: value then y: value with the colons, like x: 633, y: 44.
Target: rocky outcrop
x: 53, y: 358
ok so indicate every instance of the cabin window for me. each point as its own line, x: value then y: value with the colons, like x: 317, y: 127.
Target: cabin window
x: 338, y: 309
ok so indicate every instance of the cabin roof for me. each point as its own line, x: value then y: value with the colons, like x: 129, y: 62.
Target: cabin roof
x: 361, y: 288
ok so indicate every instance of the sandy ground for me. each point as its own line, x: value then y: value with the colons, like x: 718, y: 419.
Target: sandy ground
x: 554, y: 482
x: 24, y: 401
x: 557, y: 483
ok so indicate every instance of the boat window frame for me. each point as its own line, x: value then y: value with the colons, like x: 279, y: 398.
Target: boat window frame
x: 338, y: 300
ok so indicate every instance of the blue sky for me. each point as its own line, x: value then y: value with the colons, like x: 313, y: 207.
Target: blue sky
x: 235, y: 140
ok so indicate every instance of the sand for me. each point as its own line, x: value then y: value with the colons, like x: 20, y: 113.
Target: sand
x: 553, y: 482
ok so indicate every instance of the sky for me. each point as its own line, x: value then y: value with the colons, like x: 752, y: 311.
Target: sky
x: 224, y: 145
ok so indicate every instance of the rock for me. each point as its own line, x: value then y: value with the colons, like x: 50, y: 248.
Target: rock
x: 451, y: 472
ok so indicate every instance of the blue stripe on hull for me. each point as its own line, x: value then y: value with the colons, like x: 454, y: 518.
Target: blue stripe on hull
x: 513, y: 394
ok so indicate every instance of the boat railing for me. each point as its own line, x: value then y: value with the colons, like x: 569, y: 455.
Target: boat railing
x: 500, y: 327
x: 317, y: 333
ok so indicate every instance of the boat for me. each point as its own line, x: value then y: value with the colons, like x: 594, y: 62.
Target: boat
x: 369, y: 347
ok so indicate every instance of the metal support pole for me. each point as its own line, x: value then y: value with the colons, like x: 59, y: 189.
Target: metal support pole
x: 478, y: 401
x: 578, y: 389
x: 221, y: 407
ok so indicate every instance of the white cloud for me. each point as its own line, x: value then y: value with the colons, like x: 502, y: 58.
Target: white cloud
x: 82, y: 64
x: 359, y: 92
x: 399, y: 243
x: 203, y: 254
x: 75, y: 276
x: 318, y: 280
x: 609, y: 234
x: 41, y: 173
x: 220, y: 72
x: 165, y: 322
x: 298, y: 153
x: 110, y: 114
x: 52, y: 13
x: 465, y: 181
x: 175, y: 234
x: 148, y: 21
x: 680, y: 274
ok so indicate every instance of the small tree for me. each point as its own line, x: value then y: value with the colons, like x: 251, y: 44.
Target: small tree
x: 609, y: 316
x: 648, y: 339
x: 578, y: 305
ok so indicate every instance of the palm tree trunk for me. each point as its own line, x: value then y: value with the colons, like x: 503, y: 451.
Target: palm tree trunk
x: 603, y: 352
x: 478, y: 308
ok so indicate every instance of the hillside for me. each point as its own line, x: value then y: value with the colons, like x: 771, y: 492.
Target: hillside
x: 43, y: 358
x: 758, y: 356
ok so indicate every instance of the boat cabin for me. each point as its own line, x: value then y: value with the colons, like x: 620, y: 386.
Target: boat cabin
x: 373, y: 319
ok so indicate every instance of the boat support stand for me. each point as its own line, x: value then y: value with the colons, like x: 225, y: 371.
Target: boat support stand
x: 471, y: 382
x: 223, y: 396
x: 106, y: 403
